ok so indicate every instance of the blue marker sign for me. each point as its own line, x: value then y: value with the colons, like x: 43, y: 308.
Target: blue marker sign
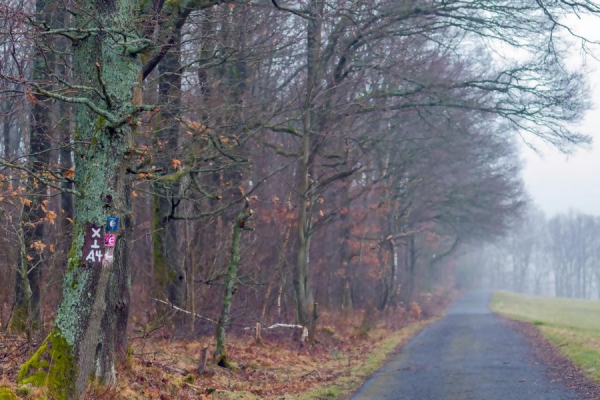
x: 112, y: 224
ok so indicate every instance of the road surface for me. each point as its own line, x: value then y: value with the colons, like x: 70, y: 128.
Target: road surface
x: 470, y: 354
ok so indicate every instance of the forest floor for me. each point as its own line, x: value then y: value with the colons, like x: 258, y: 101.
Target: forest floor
x: 347, y: 351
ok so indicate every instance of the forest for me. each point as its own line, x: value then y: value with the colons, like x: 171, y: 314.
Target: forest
x: 201, y: 167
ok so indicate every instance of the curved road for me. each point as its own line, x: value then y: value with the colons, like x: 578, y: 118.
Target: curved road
x: 467, y: 355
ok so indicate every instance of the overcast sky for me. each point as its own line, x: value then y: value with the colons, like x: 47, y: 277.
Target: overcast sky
x: 557, y: 182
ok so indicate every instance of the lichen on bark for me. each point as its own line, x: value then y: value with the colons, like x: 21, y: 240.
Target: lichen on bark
x: 76, y: 283
x: 93, y: 310
x: 220, y: 354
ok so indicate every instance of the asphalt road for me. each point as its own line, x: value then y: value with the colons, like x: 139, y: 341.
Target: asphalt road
x: 470, y: 354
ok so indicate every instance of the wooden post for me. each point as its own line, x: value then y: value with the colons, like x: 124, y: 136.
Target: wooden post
x: 257, y: 336
x: 313, y: 325
x: 203, y: 360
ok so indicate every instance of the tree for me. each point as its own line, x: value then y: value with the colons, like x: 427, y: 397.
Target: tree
x: 344, y: 71
x: 25, y: 316
x: 108, y: 72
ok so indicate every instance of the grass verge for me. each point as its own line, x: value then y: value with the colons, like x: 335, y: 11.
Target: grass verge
x: 571, y: 325
x: 356, y: 375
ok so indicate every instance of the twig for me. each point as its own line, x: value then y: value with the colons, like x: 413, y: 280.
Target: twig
x: 172, y: 369
x: 103, y: 85
x: 313, y: 372
x: 182, y: 310
x: 279, y: 326
x: 193, y: 386
x: 301, y: 14
x: 147, y: 334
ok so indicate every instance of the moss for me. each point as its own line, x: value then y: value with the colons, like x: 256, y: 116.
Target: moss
x: 176, y: 176
x: 100, y: 125
x: 222, y: 360
x: 7, y: 394
x: 51, y: 366
x: 74, y: 256
x: 189, y: 378
x: 18, y: 321
x: 24, y: 391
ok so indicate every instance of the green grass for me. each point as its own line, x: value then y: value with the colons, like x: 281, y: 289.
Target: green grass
x: 571, y: 325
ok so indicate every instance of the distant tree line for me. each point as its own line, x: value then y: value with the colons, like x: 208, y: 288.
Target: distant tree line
x: 558, y: 256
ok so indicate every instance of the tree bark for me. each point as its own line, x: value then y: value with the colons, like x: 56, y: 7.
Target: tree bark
x: 65, y: 154
x: 346, y: 254
x: 278, y: 272
x: 301, y: 281
x: 408, y: 288
x: 168, y: 270
x: 26, y: 309
x: 92, y: 316
x: 230, y: 280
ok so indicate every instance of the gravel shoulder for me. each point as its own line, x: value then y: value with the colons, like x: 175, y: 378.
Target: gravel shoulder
x: 473, y: 354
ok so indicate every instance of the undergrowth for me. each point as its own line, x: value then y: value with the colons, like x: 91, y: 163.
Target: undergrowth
x: 348, y: 349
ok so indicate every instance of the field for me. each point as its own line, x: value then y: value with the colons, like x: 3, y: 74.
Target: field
x: 573, y: 326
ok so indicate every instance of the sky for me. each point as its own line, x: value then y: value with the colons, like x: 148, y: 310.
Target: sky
x: 558, y: 183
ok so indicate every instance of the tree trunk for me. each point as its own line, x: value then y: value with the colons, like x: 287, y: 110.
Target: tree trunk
x: 408, y: 288
x: 230, y: 280
x: 63, y: 126
x: 278, y: 271
x: 92, y: 317
x: 384, y: 284
x: 168, y: 270
x: 301, y: 281
x: 6, y: 125
x: 27, y: 289
x: 345, y: 252
x: 393, y: 271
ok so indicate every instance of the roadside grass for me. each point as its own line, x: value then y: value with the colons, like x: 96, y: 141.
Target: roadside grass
x: 356, y: 374
x: 571, y: 325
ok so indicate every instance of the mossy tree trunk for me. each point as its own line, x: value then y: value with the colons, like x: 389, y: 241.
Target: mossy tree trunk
x: 230, y: 280
x: 92, y: 316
